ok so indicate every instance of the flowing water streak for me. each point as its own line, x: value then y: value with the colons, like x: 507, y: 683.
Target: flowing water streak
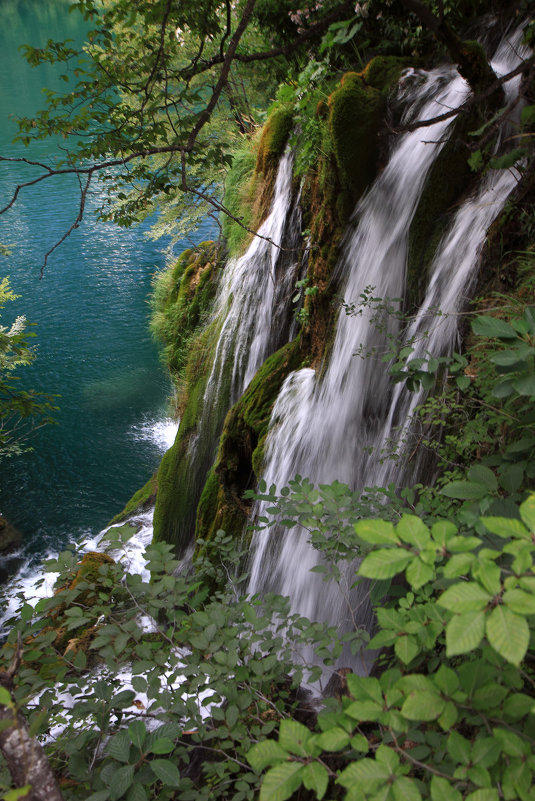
x: 248, y: 297
x: 327, y: 431
x: 319, y: 432
x: 453, y: 272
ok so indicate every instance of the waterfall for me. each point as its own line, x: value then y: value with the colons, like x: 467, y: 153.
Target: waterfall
x: 334, y: 428
x: 254, y: 286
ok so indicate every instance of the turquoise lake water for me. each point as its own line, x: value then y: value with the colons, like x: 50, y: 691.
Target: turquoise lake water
x: 91, y: 315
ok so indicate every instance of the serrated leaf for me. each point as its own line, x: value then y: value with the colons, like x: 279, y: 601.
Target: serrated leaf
x: 482, y: 474
x: 465, y: 596
x: 315, y: 777
x: 423, y: 705
x: 508, y: 634
x: 162, y: 745
x: 121, y: 781
x: 483, y: 794
x: 366, y: 773
x: 464, y: 490
x: 137, y: 792
x: 485, y: 326
x: 364, y: 710
x: 458, y: 565
x: 333, y: 739
x: 137, y: 733
x: 166, y: 771
x: 485, y: 751
x: 520, y: 602
x: 418, y: 573
x: 489, y: 575
x: 406, y: 649
x: 464, y: 633
x: 376, y: 532
x: 505, y: 527
x: 294, y: 737
x: 281, y: 781
x: 405, y: 789
x: 527, y: 512
x: 118, y: 746
x: 411, y: 529
x: 264, y: 753
x: 384, y: 564
x: 442, y: 790
x: 459, y: 748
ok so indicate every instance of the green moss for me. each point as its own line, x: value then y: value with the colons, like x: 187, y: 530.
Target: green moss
x: 182, y: 300
x: 355, y: 115
x: 274, y: 137
x: 238, y: 200
x: 184, y: 467
x: 383, y: 72
x: 241, y: 447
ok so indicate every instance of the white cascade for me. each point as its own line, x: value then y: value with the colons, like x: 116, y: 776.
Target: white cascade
x: 334, y: 429
x: 251, y: 289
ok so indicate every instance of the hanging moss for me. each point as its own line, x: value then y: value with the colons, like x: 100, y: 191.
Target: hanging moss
x: 183, y: 469
x: 182, y: 299
x: 355, y: 116
x: 241, y: 447
x: 275, y: 134
x: 383, y: 72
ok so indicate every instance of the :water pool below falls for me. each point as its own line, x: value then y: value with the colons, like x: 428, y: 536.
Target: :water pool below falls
x: 91, y: 314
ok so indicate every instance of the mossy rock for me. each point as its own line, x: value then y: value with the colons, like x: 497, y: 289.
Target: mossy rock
x: 355, y: 115
x: 184, y: 467
x: 275, y: 135
x: 241, y: 446
x: 383, y: 72
x: 140, y: 500
x: 182, y: 300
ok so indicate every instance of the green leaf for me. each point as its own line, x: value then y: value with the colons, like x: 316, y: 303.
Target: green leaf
x: 422, y: 705
x: 442, y: 790
x: 484, y: 794
x: 137, y: 792
x: 411, y: 529
x: 489, y: 575
x: 366, y: 774
x: 265, y: 753
x: 333, y: 739
x: 525, y: 384
x: 315, y: 777
x: 281, y: 781
x: 464, y: 490
x: 406, y: 649
x: 483, y: 475
x: 364, y: 710
x: 376, y: 532
x: 405, y: 790
x: 163, y: 745
x: 137, y: 733
x: 508, y: 634
x: 384, y: 564
x: 419, y: 573
x: 464, y: 633
x: 504, y: 163
x: 465, y: 596
x: 505, y: 527
x: 527, y: 512
x: 121, y: 781
x: 485, y: 326
x: 485, y: 751
x: 118, y: 746
x: 442, y: 531
x: 459, y: 748
x: 166, y: 771
x: 523, y: 603
x: 5, y: 698
x: 458, y: 565
x: 294, y: 737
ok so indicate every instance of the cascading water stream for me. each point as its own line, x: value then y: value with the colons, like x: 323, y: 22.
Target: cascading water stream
x: 250, y: 292
x: 334, y: 429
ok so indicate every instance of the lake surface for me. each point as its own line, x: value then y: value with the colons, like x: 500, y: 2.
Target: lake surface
x: 91, y: 315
